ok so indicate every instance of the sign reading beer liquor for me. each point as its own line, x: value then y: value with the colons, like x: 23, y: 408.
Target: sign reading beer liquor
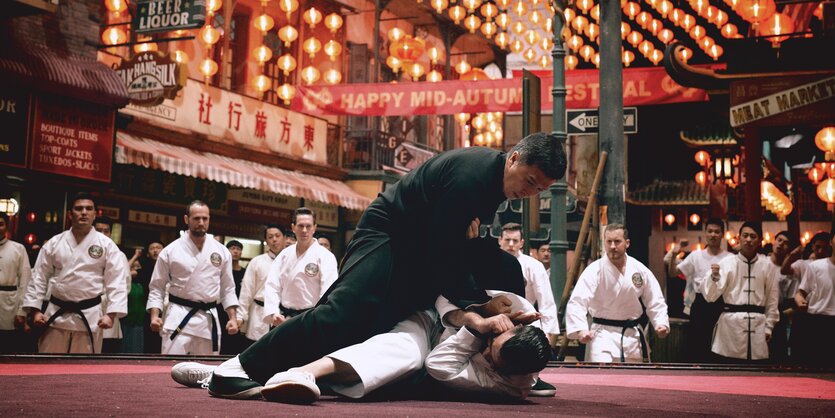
x: 72, y: 139
x: 168, y: 15
x: 777, y: 101
x: 151, y: 77
x: 152, y: 218
x: 14, y: 118
x: 644, y: 86
x: 227, y: 117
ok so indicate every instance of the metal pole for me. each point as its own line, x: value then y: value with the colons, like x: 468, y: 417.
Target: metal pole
x: 558, y: 243
x: 611, y: 110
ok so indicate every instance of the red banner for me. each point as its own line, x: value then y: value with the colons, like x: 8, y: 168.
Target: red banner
x: 641, y: 86
x: 73, y: 139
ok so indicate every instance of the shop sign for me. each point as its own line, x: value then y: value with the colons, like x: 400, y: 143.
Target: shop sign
x: 408, y: 157
x: 151, y: 218
x: 257, y: 197
x: 226, y: 117
x: 167, y: 187
x: 326, y: 215
x: 779, y: 101
x: 110, y: 212
x: 72, y: 139
x: 641, y: 86
x: 167, y: 15
x: 261, y: 213
x: 14, y: 118
x: 151, y: 77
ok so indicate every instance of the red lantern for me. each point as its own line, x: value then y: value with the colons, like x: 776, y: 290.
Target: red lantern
x: 30, y: 238
x: 777, y: 24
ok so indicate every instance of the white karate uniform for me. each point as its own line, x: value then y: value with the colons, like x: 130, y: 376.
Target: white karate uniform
x: 538, y: 291
x: 819, y: 284
x: 298, y: 282
x: 695, y: 267
x: 743, y: 283
x: 604, y: 292
x: 14, y: 271
x: 198, y: 276
x: 252, y: 288
x: 77, y: 272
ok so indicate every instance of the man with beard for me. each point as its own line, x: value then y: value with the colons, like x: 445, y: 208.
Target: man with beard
x: 198, y: 272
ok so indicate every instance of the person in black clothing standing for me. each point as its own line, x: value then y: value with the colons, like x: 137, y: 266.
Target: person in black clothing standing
x: 232, y: 344
x: 407, y: 250
x: 151, y: 340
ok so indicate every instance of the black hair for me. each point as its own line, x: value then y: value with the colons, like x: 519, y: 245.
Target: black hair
x: 527, y: 351
x: 544, y: 151
x: 753, y: 225
x: 820, y: 236
x: 234, y: 243
x: 83, y: 196
x: 104, y: 220
x: 792, y: 240
x: 289, y: 234
x: 195, y: 203
x: 715, y: 221
x: 273, y: 226
x: 303, y: 211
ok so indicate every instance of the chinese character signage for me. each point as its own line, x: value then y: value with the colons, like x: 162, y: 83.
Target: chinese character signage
x: 167, y: 15
x: 72, y: 139
x: 326, y: 215
x: 152, y: 218
x: 168, y: 187
x: 151, y: 77
x: 14, y: 118
x: 228, y: 117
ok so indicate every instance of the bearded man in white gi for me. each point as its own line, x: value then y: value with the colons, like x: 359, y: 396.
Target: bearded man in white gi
x: 537, y: 282
x: 616, y: 290
x: 301, y: 273
x: 749, y: 284
x: 198, y: 272
x: 251, y: 318
x: 81, y: 262
x: 816, y: 296
x: 14, y: 277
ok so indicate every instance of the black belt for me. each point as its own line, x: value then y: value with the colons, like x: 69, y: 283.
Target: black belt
x: 195, y: 306
x: 744, y: 308
x: 638, y: 324
x: 8, y: 288
x: 75, y: 307
x: 289, y: 313
x: 258, y: 302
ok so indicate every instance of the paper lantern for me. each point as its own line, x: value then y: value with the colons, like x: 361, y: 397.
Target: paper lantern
x: 209, y: 35
x: 408, y: 49
x: 286, y: 92
x: 181, y: 57
x: 286, y: 63
x: 312, y: 17
x: 439, y: 5
x: 434, y: 76
x: 503, y: 20
x: 288, y: 6
x: 262, y: 54
x: 116, y: 6
x: 656, y: 56
x: 627, y: 57
x: 489, y: 11
x: 777, y: 24
x: 457, y: 13
x: 826, y: 190
x: 310, y: 74
x: 332, y: 76
x: 333, y: 22
x: 288, y: 34
x: 261, y: 83
x: 471, y: 5
x: 756, y: 11
x: 263, y: 22
x: 312, y: 46
x: 332, y: 49
x: 729, y: 30
x: 472, y: 23
x: 114, y: 35
x: 502, y: 39
x: 208, y: 67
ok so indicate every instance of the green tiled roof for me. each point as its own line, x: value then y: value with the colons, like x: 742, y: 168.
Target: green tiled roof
x: 676, y: 192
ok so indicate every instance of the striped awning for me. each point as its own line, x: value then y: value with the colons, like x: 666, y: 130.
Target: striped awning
x: 144, y: 152
x: 40, y: 68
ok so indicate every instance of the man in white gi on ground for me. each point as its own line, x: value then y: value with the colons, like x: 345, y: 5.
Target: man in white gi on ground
x: 198, y: 272
x: 616, y: 290
x: 301, y: 273
x: 749, y: 285
x: 251, y: 317
x: 816, y: 296
x: 695, y: 267
x: 14, y: 277
x: 82, y: 263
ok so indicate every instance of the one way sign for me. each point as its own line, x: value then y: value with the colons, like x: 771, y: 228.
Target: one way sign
x: 585, y: 121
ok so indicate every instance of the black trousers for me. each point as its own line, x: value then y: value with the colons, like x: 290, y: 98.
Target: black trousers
x: 703, y: 317
x: 375, y: 290
x: 812, y: 339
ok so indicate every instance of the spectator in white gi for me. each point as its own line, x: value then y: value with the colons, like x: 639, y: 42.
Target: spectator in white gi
x: 81, y: 262
x: 14, y: 277
x: 197, y: 273
x: 695, y: 267
x: 617, y: 290
x: 749, y: 285
x: 301, y: 273
x: 537, y: 282
x: 251, y: 317
x: 816, y: 296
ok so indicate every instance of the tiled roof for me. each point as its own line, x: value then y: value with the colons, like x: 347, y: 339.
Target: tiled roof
x: 711, y: 135
x: 677, y: 192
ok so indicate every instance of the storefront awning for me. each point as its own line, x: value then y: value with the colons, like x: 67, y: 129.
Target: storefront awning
x: 144, y: 152
x: 43, y: 69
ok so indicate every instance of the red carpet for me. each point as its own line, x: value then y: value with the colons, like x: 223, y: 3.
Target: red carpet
x: 84, y: 387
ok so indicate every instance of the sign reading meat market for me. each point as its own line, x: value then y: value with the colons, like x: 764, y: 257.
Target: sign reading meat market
x: 168, y: 15
x: 151, y: 77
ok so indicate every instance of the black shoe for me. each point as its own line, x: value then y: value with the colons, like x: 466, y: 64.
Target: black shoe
x: 542, y: 389
x: 234, y: 387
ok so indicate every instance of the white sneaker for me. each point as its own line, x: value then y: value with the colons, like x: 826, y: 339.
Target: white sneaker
x: 191, y: 374
x: 292, y: 386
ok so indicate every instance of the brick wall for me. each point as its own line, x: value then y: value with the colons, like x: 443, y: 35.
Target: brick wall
x: 73, y: 29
